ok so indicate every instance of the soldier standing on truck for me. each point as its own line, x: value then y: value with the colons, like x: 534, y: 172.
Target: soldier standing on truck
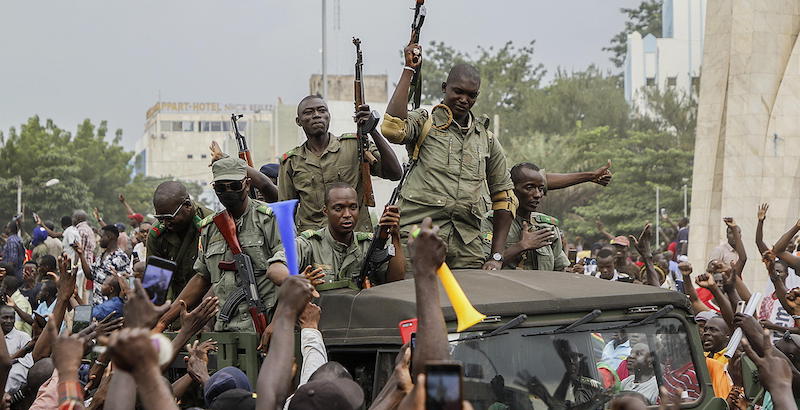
x: 337, y: 250
x: 307, y: 170
x: 534, y: 240
x: 257, y: 232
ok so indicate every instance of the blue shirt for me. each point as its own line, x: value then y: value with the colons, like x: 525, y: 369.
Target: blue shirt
x: 14, y: 252
x: 104, y: 309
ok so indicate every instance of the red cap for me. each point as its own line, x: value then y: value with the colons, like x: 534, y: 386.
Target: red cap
x: 138, y: 217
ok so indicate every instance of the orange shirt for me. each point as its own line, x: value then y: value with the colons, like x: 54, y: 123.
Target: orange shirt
x: 719, y: 378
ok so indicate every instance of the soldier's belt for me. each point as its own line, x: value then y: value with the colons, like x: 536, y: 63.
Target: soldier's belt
x: 338, y: 284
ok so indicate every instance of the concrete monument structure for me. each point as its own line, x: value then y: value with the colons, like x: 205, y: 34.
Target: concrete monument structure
x: 748, y: 127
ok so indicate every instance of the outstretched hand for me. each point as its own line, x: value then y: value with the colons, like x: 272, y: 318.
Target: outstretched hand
x: 642, y: 244
x: 195, y: 320
x: 140, y: 311
x: 216, y: 152
x: 426, y: 248
x: 762, y: 211
x: 602, y: 175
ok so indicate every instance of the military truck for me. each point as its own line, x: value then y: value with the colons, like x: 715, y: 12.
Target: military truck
x: 550, y: 339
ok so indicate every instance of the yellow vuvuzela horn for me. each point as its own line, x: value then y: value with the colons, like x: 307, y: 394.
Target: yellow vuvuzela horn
x: 467, y: 315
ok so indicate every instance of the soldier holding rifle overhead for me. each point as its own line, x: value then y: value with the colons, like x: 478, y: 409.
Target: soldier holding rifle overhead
x: 309, y: 169
x: 458, y: 158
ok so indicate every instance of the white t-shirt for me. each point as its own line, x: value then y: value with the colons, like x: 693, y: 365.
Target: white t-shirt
x: 771, y: 308
x: 648, y: 388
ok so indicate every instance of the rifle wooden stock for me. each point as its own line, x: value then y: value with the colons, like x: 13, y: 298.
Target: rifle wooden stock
x: 245, y: 155
x: 227, y: 227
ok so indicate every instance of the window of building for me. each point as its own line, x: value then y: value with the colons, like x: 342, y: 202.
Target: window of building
x: 189, y: 156
x: 696, y: 84
x: 216, y: 126
x: 203, y: 156
x: 672, y: 81
x: 651, y: 81
x: 187, y: 125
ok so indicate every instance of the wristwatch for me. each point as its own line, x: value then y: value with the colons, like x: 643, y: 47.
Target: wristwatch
x: 497, y: 256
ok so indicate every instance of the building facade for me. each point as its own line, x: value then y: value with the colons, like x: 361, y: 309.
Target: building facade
x: 672, y: 61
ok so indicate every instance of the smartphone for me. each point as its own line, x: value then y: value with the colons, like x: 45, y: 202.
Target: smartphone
x: 412, y: 346
x: 82, y: 318
x: 443, y: 382
x: 407, y: 328
x: 157, y: 277
x: 572, y: 255
x: 740, y: 305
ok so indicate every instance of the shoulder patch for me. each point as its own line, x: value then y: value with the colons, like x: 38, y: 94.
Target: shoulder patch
x: 348, y: 136
x: 363, y: 236
x: 288, y: 154
x: 264, y: 209
x: 156, y: 230
x: 205, y: 221
x: 545, y: 219
x: 310, y: 233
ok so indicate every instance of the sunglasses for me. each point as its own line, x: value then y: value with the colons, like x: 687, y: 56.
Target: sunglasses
x: 233, y: 186
x: 163, y: 217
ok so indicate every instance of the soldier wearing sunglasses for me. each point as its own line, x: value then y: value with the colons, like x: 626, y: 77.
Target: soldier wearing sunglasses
x: 258, y: 235
x: 175, y: 235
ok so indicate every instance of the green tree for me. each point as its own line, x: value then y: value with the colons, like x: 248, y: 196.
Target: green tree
x: 671, y: 111
x: 646, y: 19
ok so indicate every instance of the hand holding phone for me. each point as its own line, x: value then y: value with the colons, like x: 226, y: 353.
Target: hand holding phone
x: 443, y: 383
x: 82, y: 318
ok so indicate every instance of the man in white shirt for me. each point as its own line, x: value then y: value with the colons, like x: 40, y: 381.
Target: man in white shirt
x: 16, y: 342
x: 642, y: 377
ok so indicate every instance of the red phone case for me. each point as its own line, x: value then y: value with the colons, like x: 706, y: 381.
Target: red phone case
x: 407, y: 327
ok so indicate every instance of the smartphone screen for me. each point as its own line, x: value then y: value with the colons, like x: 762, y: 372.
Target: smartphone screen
x: 157, y: 277
x: 443, y: 386
x: 82, y: 318
x: 572, y: 255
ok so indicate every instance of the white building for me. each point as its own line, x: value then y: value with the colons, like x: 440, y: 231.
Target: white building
x: 671, y: 61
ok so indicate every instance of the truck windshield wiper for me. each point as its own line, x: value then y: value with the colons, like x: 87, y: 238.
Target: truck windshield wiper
x: 568, y: 328
x: 499, y: 331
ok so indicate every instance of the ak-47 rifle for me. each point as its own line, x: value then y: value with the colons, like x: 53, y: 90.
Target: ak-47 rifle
x: 248, y: 289
x: 377, y: 254
x: 244, y: 151
x: 416, y: 81
x: 365, y: 157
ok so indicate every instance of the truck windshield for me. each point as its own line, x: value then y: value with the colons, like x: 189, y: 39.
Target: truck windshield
x: 582, y: 369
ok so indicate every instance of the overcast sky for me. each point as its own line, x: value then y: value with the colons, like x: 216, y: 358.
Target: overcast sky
x: 99, y: 59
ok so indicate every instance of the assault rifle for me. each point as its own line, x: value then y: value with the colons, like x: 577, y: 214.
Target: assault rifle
x: 416, y: 26
x: 248, y: 289
x: 365, y: 157
x: 377, y: 254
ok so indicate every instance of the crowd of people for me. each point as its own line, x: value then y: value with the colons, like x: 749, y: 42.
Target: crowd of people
x: 460, y: 204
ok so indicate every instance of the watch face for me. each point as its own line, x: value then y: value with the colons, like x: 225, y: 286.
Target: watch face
x: 497, y: 257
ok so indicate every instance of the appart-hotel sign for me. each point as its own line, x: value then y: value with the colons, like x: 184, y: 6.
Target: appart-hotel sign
x: 165, y: 106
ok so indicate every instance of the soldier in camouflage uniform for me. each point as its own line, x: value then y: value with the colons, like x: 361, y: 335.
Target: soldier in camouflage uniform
x: 307, y: 170
x: 534, y: 240
x: 258, y: 235
x: 175, y: 235
x: 336, y: 250
x: 458, y: 161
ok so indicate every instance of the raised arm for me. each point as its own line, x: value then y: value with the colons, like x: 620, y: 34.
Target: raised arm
x: 688, y: 289
x: 274, y: 379
x: 99, y: 218
x: 779, y: 248
x: 642, y: 245
x: 762, y: 215
x: 738, y: 267
x: 398, y: 104
x: 601, y: 176
x: 397, y: 265
x: 128, y: 208
x: 389, y: 165
x: 780, y: 286
x: 427, y: 254
x: 259, y: 181
x: 602, y: 229
x: 707, y: 281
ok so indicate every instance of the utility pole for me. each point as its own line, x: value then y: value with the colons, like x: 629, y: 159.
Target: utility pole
x: 324, y: 52
x: 658, y: 216
x: 19, y: 194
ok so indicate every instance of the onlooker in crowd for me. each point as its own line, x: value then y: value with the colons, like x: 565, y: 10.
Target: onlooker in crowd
x: 642, y: 377
x: 112, y: 261
x: 13, y: 251
x: 18, y: 302
x: 38, y: 243
x: 140, y: 239
x: 18, y: 346
x: 54, y: 246
x: 113, y: 304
